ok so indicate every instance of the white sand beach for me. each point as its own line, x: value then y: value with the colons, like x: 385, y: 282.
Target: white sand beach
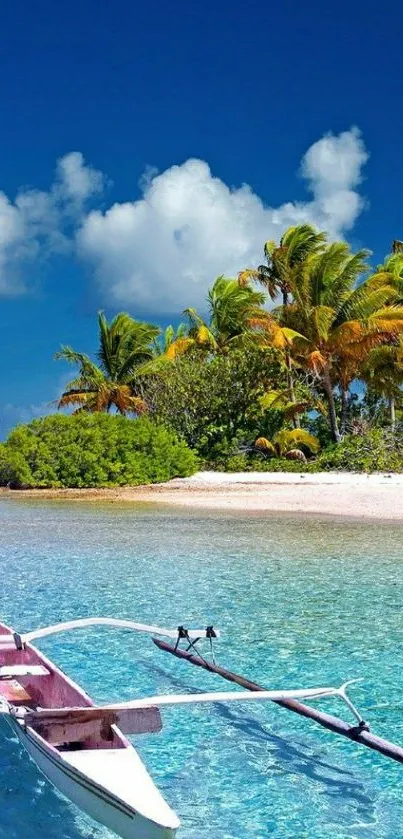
x: 360, y: 496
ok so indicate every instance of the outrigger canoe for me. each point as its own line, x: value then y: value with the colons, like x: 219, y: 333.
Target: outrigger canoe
x: 82, y: 748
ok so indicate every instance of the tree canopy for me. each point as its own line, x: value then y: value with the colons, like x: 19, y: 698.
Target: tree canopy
x: 124, y: 344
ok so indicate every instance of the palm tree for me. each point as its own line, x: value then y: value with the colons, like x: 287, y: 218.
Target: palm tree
x: 383, y: 373
x: 231, y: 310
x: 285, y: 263
x: 340, y: 320
x: 124, y: 344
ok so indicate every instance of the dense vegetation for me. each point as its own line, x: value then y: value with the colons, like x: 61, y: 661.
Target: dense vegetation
x: 378, y: 450
x: 92, y: 451
x: 214, y: 402
x: 295, y: 364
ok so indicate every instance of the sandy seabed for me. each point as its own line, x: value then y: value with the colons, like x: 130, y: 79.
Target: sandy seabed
x: 341, y: 494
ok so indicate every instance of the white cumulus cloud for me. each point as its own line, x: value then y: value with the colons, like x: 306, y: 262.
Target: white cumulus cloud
x: 37, y: 223
x: 333, y: 168
x: 77, y: 181
x: 162, y: 252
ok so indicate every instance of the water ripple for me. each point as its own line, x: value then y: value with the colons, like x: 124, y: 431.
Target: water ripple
x: 300, y: 602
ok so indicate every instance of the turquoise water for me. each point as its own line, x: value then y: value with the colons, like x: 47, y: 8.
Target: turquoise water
x: 301, y: 603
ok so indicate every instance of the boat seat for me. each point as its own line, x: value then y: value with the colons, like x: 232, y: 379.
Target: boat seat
x: 8, y: 671
x: 13, y: 692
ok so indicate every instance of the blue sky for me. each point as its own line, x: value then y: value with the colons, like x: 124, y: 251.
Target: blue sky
x: 147, y: 148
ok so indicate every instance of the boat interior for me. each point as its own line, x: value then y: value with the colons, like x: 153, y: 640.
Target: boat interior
x: 29, y: 681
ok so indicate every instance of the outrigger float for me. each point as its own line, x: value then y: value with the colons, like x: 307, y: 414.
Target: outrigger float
x: 82, y: 748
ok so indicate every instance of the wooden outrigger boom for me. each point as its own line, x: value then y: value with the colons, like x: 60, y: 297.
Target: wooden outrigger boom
x: 132, y: 716
x: 359, y: 733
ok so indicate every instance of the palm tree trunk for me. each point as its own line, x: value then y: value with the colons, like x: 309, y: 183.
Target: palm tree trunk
x: 344, y: 406
x: 290, y: 378
x: 392, y: 408
x: 328, y: 388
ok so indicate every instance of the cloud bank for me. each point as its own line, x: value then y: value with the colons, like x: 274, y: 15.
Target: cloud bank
x: 161, y: 252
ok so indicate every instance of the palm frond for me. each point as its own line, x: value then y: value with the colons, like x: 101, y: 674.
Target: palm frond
x: 128, y: 367
x: 68, y: 354
x: 88, y: 369
x: 125, y: 402
x: 286, y: 440
x: 364, y: 301
x: 382, y: 370
x: 275, y: 400
x: 76, y: 397
x: 389, y: 314
x: 195, y: 320
x: 316, y: 361
x: 322, y: 317
x: 246, y: 276
x: 123, y: 343
x: 302, y: 241
x: 105, y: 351
x: 266, y: 277
x: 264, y: 445
x: 179, y: 347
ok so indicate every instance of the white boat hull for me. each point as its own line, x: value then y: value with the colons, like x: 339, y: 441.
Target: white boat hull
x: 96, y: 800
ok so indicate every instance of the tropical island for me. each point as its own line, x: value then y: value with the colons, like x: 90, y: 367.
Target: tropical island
x: 297, y: 368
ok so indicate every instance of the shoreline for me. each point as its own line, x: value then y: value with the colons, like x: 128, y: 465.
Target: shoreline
x: 335, y: 494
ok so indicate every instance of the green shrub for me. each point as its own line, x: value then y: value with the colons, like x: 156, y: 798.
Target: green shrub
x: 234, y: 463
x: 210, y: 400
x: 14, y: 469
x: 92, y: 450
x: 376, y: 451
x: 243, y: 462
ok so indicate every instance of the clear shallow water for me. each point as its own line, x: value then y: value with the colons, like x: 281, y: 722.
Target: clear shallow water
x: 300, y: 602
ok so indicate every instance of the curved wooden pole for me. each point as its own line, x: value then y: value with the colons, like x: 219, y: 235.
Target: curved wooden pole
x: 357, y: 733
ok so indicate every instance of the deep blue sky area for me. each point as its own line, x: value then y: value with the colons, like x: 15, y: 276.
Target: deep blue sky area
x: 246, y: 87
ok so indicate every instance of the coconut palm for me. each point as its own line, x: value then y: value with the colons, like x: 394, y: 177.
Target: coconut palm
x: 383, y: 373
x: 285, y: 261
x: 124, y: 345
x: 231, y: 310
x: 387, y: 275
x: 340, y: 320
